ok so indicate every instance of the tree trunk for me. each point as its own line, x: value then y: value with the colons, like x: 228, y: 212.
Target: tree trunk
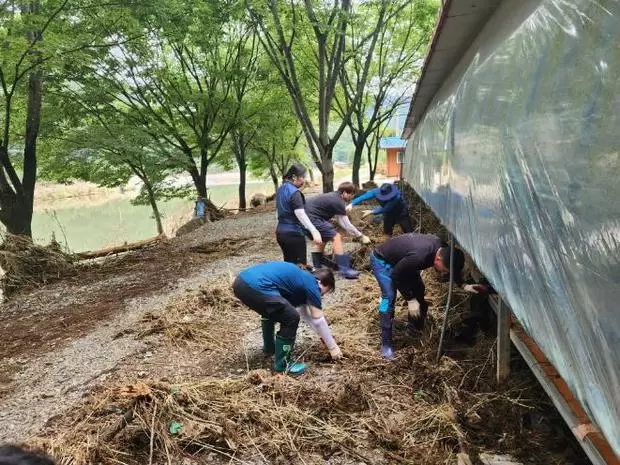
x: 33, y: 122
x: 274, y: 178
x: 154, y: 207
x: 242, y: 182
x: 17, y: 207
x: 328, y: 173
x: 373, y: 166
x: 357, y: 162
x: 201, y: 187
x: 200, y: 183
x: 17, y: 218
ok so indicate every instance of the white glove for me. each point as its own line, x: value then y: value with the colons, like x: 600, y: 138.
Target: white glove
x: 335, y: 352
x: 476, y: 288
x: 316, y: 237
x: 365, y: 239
x: 348, y: 208
x: 366, y: 213
x: 470, y: 288
x: 413, y: 308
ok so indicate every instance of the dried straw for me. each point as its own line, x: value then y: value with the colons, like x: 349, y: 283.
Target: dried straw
x: 27, y: 264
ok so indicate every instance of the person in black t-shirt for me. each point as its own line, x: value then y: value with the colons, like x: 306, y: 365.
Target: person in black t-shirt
x: 323, y: 208
x: 397, y: 264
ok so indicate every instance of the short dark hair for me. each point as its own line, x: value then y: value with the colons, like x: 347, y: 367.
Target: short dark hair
x: 296, y: 169
x: 459, y: 261
x: 326, y: 277
x: 14, y: 455
x: 347, y: 187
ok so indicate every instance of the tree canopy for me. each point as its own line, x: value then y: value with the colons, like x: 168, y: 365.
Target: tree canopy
x: 105, y: 92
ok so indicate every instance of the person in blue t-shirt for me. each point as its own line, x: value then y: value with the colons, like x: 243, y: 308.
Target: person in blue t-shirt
x: 292, y: 217
x: 393, y: 207
x: 281, y: 292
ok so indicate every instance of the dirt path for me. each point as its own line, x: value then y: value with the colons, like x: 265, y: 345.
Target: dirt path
x: 63, y: 339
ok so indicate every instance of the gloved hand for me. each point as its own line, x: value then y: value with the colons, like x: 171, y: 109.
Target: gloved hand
x: 413, y: 308
x: 366, y: 213
x: 316, y: 237
x: 335, y: 353
x: 348, y: 208
x: 365, y: 239
x: 476, y: 288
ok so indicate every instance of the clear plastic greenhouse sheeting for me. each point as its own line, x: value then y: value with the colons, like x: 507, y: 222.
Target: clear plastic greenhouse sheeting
x: 518, y: 154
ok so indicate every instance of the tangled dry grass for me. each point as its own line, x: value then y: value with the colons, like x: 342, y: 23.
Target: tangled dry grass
x: 362, y: 410
x: 26, y: 264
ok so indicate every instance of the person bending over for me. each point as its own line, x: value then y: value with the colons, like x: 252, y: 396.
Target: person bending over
x: 393, y: 207
x: 274, y: 290
x: 321, y: 209
x: 396, y: 265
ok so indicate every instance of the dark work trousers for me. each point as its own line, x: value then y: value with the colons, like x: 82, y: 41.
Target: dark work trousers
x: 293, y: 247
x: 397, y: 216
x: 274, y: 308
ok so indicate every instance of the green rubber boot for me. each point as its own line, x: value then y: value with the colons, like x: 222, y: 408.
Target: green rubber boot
x: 283, y: 362
x: 268, y: 327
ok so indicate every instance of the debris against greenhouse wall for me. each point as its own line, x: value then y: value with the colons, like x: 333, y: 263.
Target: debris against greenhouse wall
x: 518, y: 155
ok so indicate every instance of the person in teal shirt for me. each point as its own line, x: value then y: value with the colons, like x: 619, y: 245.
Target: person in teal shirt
x: 281, y: 292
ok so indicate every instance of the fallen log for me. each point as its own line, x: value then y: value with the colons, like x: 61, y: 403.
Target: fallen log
x: 119, y: 248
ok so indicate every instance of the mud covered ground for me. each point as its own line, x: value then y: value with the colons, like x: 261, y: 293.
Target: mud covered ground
x: 148, y: 358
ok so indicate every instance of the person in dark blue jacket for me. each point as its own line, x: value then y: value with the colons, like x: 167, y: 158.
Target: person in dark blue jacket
x: 292, y: 217
x: 393, y: 207
x: 281, y: 292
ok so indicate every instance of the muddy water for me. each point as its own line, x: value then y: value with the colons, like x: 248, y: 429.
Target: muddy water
x: 92, y: 223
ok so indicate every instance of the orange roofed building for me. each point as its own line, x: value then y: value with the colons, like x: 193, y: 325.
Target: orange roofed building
x: 395, y: 154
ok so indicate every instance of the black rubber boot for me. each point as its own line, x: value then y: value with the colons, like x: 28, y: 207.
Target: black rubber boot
x: 268, y: 328
x: 317, y: 260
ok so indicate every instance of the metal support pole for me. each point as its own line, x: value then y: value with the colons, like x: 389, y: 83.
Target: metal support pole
x: 448, y: 302
x: 503, y: 342
x: 420, y: 216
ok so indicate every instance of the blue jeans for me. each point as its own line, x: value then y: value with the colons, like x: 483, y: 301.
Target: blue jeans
x: 383, y: 274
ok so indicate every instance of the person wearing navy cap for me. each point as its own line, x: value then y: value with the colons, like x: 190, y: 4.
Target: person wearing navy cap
x: 393, y: 207
x: 281, y: 292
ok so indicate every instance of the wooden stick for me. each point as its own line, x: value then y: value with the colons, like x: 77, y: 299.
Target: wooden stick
x: 152, y: 435
x: 119, y: 248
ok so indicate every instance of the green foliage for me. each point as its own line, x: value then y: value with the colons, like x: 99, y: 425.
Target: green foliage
x: 402, y: 30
